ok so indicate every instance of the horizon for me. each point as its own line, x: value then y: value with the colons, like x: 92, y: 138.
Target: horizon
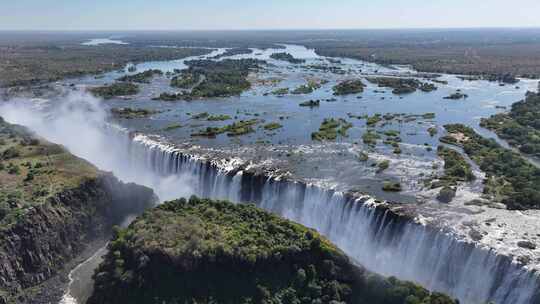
x: 243, y: 15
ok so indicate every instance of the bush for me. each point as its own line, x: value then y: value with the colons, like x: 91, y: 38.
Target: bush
x: 446, y: 195
x: 14, y: 169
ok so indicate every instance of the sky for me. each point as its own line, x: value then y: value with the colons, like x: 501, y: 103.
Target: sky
x: 264, y: 14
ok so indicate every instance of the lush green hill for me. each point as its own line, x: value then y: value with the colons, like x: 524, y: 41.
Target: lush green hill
x: 204, y: 251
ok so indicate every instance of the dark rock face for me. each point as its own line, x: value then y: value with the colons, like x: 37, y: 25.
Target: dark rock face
x: 48, y: 236
x: 526, y: 245
x: 446, y: 195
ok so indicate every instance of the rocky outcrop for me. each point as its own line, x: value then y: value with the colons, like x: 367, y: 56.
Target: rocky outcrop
x: 49, y: 235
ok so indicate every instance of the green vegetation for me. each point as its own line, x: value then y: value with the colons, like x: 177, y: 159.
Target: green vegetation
x: 281, y: 91
x: 237, y: 128
x: 521, y: 126
x: 392, y: 133
x: 116, y: 89
x: 129, y: 113
x: 273, y: 126
x: 287, y: 57
x: 370, y: 138
x: 432, y: 131
x: 428, y: 115
x: 142, y: 77
x: 363, y: 156
x: 32, y: 171
x: 221, y: 117
x: 402, y: 85
x: 371, y: 121
x: 447, y: 194
x: 310, y: 103
x: 349, y: 87
x: 223, y: 78
x: 478, y: 52
x: 510, y: 178
x: 28, y: 62
x: 219, y: 79
x: 383, y: 165
x: 427, y: 87
x: 203, y: 251
x: 306, y: 88
x: 330, y: 129
x: 233, y: 52
x: 202, y: 115
x: 185, y: 81
x: 391, y: 187
x: 456, y: 96
x: 172, y: 97
x: 173, y: 127
x: 456, y: 168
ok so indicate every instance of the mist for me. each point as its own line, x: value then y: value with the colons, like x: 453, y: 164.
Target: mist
x: 79, y: 122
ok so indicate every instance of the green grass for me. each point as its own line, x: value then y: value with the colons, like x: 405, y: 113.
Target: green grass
x: 330, y: 129
x: 349, y: 87
x: 237, y: 128
x: 273, y: 126
x: 116, y: 89
x: 142, y: 77
x: 32, y: 170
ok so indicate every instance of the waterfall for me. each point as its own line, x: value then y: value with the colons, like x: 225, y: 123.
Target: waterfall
x: 368, y: 232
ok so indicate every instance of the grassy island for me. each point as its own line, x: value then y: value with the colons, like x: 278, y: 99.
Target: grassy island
x: 115, y: 90
x: 402, y: 85
x: 456, y: 170
x: 142, y: 77
x: 287, y: 57
x: 204, y: 251
x: 349, y: 87
x: 186, y: 80
x: 237, y: 128
x: 330, y: 129
x: 207, y: 79
x: 129, y: 113
x: 234, y: 52
x: 456, y: 96
x: 521, y: 126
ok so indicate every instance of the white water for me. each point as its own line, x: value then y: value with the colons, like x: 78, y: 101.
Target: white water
x: 80, y: 277
x: 99, y: 41
x: 380, y: 241
x: 375, y: 238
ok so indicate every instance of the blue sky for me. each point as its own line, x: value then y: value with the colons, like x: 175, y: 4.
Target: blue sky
x: 264, y: 14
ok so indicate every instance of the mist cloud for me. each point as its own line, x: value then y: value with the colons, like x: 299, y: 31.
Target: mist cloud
x: 78, y: 121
